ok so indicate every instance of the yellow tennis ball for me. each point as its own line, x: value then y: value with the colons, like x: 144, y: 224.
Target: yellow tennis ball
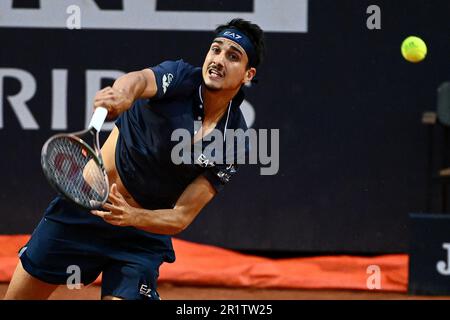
x: 414, y: 49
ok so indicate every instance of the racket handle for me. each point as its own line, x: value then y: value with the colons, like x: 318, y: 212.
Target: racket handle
x: 98, y: 118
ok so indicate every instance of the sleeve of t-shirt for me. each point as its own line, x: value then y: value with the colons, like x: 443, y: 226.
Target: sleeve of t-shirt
x: 172, y: 78
x: 220, y: 174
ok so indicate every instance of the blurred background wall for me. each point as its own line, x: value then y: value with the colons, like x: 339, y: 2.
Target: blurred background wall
x: 347, y: 105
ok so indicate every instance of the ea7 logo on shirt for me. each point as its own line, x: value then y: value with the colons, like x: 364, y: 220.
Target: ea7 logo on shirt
x: 225, y: 175
x: 232, y: 34
x: 204, y: 161
x: 166, y: 80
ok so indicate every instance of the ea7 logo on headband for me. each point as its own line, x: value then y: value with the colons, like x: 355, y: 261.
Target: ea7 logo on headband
x: 232, y: 34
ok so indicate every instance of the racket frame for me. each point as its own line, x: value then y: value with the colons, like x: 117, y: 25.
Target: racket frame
x: 95, y: 152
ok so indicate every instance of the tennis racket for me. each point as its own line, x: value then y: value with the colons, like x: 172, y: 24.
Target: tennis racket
x: 75, y: 168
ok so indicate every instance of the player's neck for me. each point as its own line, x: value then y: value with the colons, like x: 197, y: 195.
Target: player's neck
x: 216, y: 102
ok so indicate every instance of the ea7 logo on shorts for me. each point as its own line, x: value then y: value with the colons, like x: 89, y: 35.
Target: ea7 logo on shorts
x: 144, y: 290
x: 232, y: 34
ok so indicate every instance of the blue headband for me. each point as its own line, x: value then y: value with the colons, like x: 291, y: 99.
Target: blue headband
x: 241, y: 39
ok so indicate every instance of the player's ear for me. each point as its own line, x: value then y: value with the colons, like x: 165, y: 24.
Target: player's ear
x: 249, y: 75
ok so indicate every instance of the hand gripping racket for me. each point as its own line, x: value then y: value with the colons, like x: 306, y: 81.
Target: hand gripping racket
x: 75, y: 168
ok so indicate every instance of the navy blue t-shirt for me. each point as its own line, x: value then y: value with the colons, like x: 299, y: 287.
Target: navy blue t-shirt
x: 144, y: 146
x: 144, y: 149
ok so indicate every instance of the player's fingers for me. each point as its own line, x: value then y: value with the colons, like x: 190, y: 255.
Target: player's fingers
x: 114, y: 198
x: 112, y: 208
x: 105, y: 95
x: 109, y: 104
x: 108, y: 217
x: 101, y: 214
x: 104, y: 98
x: 114, y: 188
x: 112, y: 221
x: 106, y: 103
x: 116, y: 220
x: 100, y: 97
x: 115, y: 191
x: 111, y: 218
x: 108, y: 88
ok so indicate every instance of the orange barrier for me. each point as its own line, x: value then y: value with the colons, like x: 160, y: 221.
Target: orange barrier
x: 199, y: 264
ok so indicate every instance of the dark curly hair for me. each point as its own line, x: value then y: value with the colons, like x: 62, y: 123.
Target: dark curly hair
x: 252, y: 31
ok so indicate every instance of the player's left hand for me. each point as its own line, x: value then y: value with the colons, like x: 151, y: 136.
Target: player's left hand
x: 119, y: 213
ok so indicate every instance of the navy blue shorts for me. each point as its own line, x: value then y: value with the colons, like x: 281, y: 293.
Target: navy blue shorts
x: 67, y: 254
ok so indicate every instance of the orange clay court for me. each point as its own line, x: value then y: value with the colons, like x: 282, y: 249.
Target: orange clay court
x: 208, y: 272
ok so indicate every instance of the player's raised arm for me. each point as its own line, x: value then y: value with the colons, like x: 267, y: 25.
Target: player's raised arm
x: 125, y: 90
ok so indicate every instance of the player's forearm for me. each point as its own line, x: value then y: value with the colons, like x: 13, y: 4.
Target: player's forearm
x: 162, y: 221
x: 132, y: 85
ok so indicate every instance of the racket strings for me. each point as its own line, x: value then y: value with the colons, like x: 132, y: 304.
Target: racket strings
x: 74, y: 170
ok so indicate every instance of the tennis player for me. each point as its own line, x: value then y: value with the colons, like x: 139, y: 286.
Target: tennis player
x: 151, y: 197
